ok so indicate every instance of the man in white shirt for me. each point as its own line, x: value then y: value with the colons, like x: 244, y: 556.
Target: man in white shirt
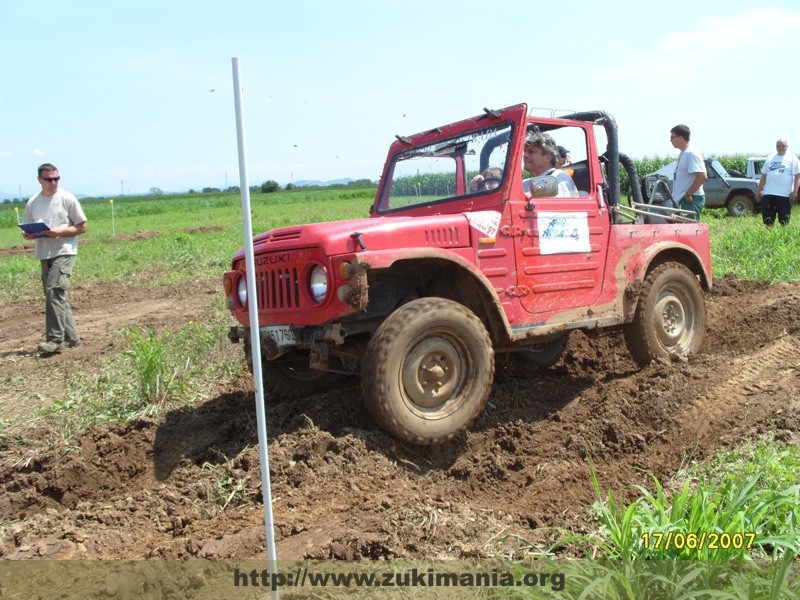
x: 690, y: 174
x: 56, y: 249
x: 540, y: 158
x: 777, y: 188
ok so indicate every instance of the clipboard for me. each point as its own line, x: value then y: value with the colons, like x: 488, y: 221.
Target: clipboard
x: 35, y: 227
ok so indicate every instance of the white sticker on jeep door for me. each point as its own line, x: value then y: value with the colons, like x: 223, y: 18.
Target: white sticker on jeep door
x: 563, y: 233
x: 485, y: 221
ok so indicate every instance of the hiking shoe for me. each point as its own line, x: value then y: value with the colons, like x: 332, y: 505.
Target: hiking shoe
x: 50, y: 347
x: 72, y: 343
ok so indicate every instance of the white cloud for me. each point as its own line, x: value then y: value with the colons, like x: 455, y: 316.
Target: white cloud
x: 38, y: 152
x: 6, y: 154
x: 687, y: 56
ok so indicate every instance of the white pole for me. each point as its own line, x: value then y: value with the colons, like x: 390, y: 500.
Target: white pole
x: 255, y: 338
x: 113, y: 231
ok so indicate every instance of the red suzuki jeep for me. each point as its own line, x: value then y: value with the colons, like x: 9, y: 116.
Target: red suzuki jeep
x: 418, y: 298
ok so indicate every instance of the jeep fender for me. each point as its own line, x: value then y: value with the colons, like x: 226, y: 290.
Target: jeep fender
x: 637, y: 262
x: 487, y: 306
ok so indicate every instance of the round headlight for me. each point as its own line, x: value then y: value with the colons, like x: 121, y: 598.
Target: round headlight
x: 318, y: 283
x: 241, y: 291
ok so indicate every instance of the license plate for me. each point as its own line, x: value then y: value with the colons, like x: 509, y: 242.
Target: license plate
x: 282, y: 335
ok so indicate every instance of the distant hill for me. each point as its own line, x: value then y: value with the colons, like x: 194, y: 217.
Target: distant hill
x: 10, y: 196
x: 305, y: 182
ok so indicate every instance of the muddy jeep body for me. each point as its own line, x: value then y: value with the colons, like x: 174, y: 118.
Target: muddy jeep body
x: 417, y: 298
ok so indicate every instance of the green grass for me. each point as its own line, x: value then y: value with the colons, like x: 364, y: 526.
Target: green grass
x: 177, y: 237
x: 746, y: 248
x: 733, y: 511
x: 173, y: 236
x: 158, y: 371
x: 748, y: 496
x: 654, y: 580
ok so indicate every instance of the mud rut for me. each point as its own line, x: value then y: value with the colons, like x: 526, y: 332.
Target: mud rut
x: 188, y: 484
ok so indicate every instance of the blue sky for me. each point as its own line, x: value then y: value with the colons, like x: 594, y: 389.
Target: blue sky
x: 124, y: 96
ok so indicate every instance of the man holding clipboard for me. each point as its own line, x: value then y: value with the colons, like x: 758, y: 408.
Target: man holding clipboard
x: 53, y: 219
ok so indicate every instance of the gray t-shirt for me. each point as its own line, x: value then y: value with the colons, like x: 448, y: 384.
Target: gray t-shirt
x: 58, y: 210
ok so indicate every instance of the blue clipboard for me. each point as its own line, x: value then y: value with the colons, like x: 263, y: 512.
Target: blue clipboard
x: 36, y: 227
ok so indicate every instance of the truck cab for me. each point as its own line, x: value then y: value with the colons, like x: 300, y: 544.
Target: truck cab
x: 456, y: 263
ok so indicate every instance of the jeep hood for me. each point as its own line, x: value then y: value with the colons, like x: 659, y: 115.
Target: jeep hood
x: 378, y: 233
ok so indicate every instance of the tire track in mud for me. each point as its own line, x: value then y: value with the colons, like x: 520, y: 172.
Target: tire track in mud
x: 750, y: 376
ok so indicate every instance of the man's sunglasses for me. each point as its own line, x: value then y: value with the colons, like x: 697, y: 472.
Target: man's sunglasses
x: 51, y: 179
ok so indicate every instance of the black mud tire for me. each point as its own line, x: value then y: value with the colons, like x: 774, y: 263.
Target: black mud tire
x: 543, y: 355
x: 290, y: 377
x: 739, y: 205
x: 428, y: 371
x: 670, y: 318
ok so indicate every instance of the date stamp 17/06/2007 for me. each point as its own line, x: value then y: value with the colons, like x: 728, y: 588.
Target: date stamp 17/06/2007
x: 678, y: 540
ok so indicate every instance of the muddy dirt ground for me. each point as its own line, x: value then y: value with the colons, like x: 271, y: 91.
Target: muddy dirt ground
x: 187, y: 484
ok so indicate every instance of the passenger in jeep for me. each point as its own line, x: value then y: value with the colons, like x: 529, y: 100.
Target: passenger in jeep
x: 540, y: 158
x: 490, y: 179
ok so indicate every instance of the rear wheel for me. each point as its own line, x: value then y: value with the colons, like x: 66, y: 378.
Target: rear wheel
x: 428, y: 371
x: 739, y: 205
x: 670, y: 318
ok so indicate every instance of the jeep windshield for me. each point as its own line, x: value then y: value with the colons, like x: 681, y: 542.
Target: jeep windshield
x: 448, y: 169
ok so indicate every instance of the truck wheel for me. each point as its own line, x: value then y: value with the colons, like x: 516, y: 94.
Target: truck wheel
x: 544, y: 355
x: 670, y: 318
x: 428, y: 371
x: 739, y: 204
x: 290, y: 376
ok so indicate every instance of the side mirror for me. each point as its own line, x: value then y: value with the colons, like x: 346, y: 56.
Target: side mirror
x: 545, y: 186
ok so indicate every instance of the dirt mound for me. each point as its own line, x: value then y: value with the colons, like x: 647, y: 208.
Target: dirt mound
x: 189, y: 483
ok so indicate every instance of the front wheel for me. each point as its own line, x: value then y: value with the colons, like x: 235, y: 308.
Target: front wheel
x: 739, y: 205
x: 670, y: 318
x: 428, y: 371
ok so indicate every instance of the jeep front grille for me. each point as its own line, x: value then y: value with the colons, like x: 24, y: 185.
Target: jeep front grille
x: 278, y: 289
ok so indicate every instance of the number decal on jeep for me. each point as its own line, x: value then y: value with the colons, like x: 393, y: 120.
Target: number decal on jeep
x: 485, y: 221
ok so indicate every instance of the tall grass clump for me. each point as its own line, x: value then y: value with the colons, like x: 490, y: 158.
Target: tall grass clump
x: 157, y: 371
x: 176, y: 365
x: 154, y: 369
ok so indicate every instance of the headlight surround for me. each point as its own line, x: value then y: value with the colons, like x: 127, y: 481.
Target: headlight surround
x: 318, y: 283
x: 241, y: 291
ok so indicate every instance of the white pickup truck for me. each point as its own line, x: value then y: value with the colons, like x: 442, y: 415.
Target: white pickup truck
x: 754, y: 164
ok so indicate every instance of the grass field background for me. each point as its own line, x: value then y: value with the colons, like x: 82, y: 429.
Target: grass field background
x: 173, y: 238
